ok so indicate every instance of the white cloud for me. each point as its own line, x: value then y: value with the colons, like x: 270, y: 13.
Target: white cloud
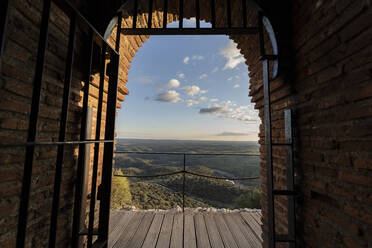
x: 186, y: 60
x: 203, y: 76
x: 229, y: 134
x: 197, y: 57
x: 173, y: 83
x: 230, y: 78
x: 214, y: 70
x: 230, y: 110
x: 214, y: 100
x: 213, y: 110
x: 180, y: 75
x: 191, y: 102
x: 169, y: 96
x: 233, y: 56
x: 193, y: 90
x: 236, y: 86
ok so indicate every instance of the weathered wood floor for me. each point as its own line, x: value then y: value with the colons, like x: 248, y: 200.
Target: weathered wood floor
x: 202, y: 229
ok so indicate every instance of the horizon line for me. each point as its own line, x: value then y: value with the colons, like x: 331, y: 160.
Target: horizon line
x: 177, y: 139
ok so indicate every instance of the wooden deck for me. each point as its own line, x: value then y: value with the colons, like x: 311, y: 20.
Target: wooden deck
x: 202, y: 229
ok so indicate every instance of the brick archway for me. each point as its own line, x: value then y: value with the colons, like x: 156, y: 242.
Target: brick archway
x: 249, y: 48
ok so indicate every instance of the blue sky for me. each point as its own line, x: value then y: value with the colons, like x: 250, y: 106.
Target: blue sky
x: 188, y: 87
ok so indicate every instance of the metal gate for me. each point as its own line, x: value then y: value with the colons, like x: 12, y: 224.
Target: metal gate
x: 105, y: 51
x: 96, y: 44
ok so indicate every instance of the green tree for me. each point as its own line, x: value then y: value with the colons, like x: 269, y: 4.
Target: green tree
x: 120, y: 195
x: 250, y: 199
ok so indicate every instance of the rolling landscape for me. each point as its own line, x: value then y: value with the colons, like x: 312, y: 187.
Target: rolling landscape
x: 166, y: 192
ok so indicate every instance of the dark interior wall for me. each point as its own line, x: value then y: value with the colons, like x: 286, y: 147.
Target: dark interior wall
x: 333, y: 92
x: 16, y: 91
x: 16, y: 85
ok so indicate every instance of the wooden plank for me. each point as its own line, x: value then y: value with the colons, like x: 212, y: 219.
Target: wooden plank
x: 247, y: 231
x: 129, y: 232
x: 154, y: 231
x: 257, y: 216
x: 235, y: 230
x: 256, y: 228
x: 140, y: 235
x: 213, y: 233
x: 190, y: 238
x: 118, y: 224
x: 177, y: 231
x: 202, y: 239
x: 166, y: 231
x: 226, y: 235
x: 114, y: 217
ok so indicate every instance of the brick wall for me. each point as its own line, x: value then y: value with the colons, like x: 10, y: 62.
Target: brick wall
x: 329, y: 90
x: 333, y: 90
x: 16, y: 90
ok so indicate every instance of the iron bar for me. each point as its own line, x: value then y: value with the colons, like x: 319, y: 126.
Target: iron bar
x: 149, y: 21
x: 85, y: 177
x: 222, y: 178
x: 183, y: 200
x: 284, y: 239
x: 46, y: 143
x: 108, y: 148
x: 62, y: 133
x: 228, y: 3
x: 96, y: 147
x: 190, y: 154
x: 213, y: 13
x: 180, y: 16
x: 32, y: 129
x: 290, y: 176
x: 284, y: 192
x: 188, y: 172
x: 183, y: 183
x: 4, y: 15
x: 189, y: 31
x: 244, y: 16
x: 81, y: 156
x: 197, y: 10
x: 135, y: 10
x: 165, y: 14
x: 150, y: 176
x: 269, y: 162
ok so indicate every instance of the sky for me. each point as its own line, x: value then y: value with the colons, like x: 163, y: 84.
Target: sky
x: 188, y: 87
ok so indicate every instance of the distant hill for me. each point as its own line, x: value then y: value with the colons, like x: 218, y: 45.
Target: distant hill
x: 202, y: 191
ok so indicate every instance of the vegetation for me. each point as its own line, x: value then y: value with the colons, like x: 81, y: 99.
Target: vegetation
x: 165, y: 192
x: 153, y: 196
x: 121, y: 195
x: 249, y: 199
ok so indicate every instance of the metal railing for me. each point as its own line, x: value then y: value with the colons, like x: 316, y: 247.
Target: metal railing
x: 184, y: 171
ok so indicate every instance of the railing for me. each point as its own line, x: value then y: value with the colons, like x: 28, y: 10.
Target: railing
x: 184, y: 171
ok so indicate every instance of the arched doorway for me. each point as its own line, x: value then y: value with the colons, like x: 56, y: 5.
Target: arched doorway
x: 141, y: 20
x: 115, y: 63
